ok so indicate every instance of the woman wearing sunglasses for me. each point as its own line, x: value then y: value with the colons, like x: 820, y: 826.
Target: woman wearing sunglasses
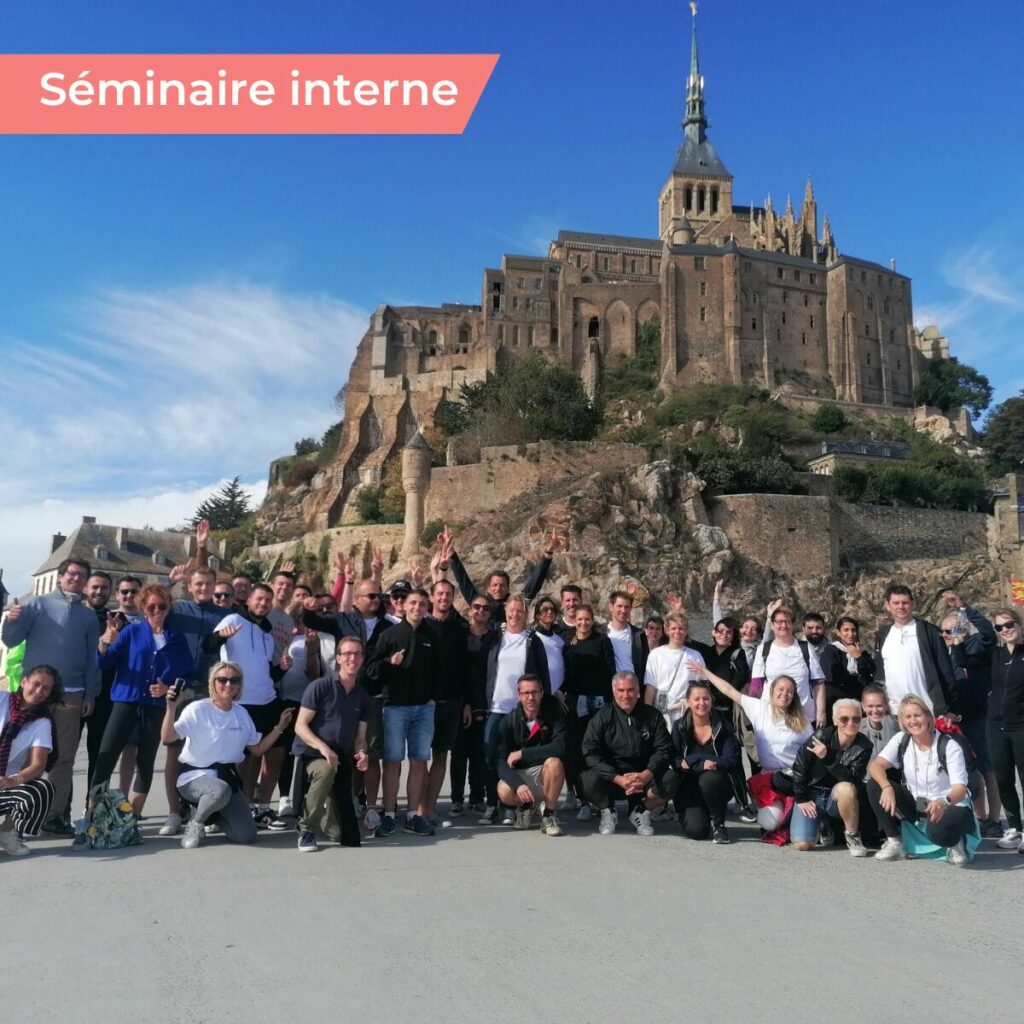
x: 146, y: 656
x: 826, y: 774
x: 218, y: 733
x: 1005, y: 723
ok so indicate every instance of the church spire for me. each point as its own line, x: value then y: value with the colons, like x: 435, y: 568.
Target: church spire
x: 695, y: 123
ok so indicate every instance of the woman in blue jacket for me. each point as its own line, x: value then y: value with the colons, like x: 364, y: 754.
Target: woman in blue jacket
x: 146, y: 656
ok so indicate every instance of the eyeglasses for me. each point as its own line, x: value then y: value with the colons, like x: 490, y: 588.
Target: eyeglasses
x: 1003, y: 626
x: 546, y: 610
x: 126, y: 593
x: 228, y: 680
x: 156, y: 607
x: 480, y: 607
x: 75, y: 574
x: 530, y: 693
x: 950, y: 632
x: 371, y: 597
x: 849, y: 719
x: 350, y: 654
x: 222, y: 595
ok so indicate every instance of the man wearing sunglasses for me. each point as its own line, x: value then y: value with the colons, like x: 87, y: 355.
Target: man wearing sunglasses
x: 59, y: 629
x: 128, y: 588
x: 827, y: 773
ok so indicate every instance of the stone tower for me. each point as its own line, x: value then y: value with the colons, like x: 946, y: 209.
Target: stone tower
x: 415, y: 483
x: 699, y: 187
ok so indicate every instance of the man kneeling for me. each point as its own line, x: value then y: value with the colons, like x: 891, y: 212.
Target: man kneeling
x: 628, y: 753
x: 531, y: 756
x: 330, y: 736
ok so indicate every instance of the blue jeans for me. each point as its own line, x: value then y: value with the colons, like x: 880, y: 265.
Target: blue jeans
x: 491, y: 727
x: 411, y: 724
x: 805, y: 830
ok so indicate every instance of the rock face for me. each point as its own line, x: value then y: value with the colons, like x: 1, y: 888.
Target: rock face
x: 641, y: 526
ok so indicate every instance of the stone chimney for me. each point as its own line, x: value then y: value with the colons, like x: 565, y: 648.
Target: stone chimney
x: 121, y: 537
x: 55, y: 541
x: 88, y: 520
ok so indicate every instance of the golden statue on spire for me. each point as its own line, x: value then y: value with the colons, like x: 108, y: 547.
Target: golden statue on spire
x: 693, y: 8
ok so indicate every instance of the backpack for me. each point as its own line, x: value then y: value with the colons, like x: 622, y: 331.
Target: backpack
x: 110, y: 823
x: 804, y: 650
x: 970, y: 761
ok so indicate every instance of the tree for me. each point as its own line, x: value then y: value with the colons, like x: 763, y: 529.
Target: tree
x: 1003, y: 439
x: 226, y: 509
x: 828, y: 418
x: 307, y: 446
x: 526, y: 399
x: 947, y: 384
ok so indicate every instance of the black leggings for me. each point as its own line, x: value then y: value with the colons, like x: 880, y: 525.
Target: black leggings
x: 947, y: 831
x: 575, y: 727
x: 701, y: 798
x: 1006, y: 751
x: 124, y: 720
x: 468, y: 755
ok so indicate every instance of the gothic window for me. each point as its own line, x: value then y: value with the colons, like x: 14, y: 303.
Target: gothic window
x: 885, y: 306
x: 463, y: 335
x: 871, y: 302
x: 632, y: 266
x: 753, y: 324
x: 714, y: 200
x: 496, y: 296
x: 604, y: 262
x: 701, y: 198
x: 515, y: 335
x: 501, y: 333
x: 432, y: 339
x: 688, y: 197
x: 554, y: 335
x: 594, y: 328
x: 698, y: 263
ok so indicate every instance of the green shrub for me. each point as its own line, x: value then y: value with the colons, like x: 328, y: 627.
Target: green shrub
x: 829, y: 419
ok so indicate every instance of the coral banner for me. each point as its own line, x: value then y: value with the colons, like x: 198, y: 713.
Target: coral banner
x: 1017, y: 591
x: 240, y: 94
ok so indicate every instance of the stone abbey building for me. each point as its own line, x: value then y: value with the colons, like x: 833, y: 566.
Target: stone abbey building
x: 745, y: 294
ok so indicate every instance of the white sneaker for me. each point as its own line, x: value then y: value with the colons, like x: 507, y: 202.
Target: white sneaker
x: 12, y: 845
x: 194, y: 833
x: 607, y: 826
x: 586, y: 812
x: 957, y: 855
x: 641, y: 821
x: 1011, y: 840
x: 855, y: 845
x: 508, y: 817
x: 892, y: 849
x: 172, y: 826
x: 284, y: 808
x: 212, y: 829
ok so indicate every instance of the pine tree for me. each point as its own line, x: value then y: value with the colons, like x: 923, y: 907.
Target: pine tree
x: 226, y: 509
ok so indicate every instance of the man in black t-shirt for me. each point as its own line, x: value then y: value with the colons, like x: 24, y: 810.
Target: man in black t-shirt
x: 330, y: 738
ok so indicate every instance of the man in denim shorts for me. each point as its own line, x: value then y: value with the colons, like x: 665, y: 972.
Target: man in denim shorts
x: 405, y: 663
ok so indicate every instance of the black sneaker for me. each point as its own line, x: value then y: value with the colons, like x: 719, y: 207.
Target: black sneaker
x: 419, y: 826
x: 991, y: 830
x: 307, y: 842
x: 748, y: 814
x: 720, y: 835
x: 268, y: 819
x: 386, y: 828
x: 58, y: 827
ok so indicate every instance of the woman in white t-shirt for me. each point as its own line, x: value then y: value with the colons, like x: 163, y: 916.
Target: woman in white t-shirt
x: 26, y: 741
x: 667, y: 677
x: 218, y: 733
x: 545, y: 618
x: 934, y: 786
x: 797, y: 659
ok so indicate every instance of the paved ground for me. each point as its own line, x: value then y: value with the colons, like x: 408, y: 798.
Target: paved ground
x: 487, y: 925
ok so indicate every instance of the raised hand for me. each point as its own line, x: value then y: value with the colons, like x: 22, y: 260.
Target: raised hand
x: 676, y: 603
x: 377, y: 563
x: 397, y: 658
x: 111, y: 632
x: 416, y: 572
x: 777, y: 603
x: 287, y: 567
x: 227, y: 632
x: 340, y: 563
x: 14, y: 612
x: 181, y: 572
x: 202, y: 532
x: 555, y: 541
x: 719, y: 587
x: 630, y: 588
x: 953, y: 599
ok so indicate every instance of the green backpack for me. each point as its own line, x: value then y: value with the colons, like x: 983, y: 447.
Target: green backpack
x: 110, y: 822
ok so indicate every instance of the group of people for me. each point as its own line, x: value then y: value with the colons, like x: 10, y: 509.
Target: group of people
x: 282, y: 707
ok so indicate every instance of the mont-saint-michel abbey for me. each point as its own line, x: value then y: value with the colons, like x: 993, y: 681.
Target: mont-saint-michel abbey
x: 744, y: 293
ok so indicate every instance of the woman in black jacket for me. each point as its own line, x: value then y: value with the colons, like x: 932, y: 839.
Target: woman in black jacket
x: 707, y: 761
x: 847, y: 666
x: 1005, y: 723
x: 589, y: 666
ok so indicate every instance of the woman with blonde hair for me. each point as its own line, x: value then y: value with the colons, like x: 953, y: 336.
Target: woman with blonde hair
x: 921, y: 774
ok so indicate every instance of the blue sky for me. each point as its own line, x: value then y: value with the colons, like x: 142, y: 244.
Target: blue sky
x: 179, y: 310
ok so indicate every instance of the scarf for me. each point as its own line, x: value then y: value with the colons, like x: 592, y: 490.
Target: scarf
x: 851, y: 661
x: 19, y: 713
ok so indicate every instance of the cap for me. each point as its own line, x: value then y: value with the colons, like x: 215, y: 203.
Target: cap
x: 401, y: 588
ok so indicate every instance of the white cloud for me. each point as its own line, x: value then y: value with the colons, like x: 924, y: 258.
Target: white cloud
x: 147, y: 397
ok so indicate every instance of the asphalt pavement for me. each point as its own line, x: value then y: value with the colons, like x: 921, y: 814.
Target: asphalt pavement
x: 488, y: 925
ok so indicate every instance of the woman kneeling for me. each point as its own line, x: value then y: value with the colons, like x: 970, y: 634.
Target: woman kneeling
x: 934, y: 785
x: 826, y: 773
x: 218, y: 733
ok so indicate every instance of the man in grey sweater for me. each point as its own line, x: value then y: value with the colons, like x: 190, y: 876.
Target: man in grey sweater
x: 61, y: 630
